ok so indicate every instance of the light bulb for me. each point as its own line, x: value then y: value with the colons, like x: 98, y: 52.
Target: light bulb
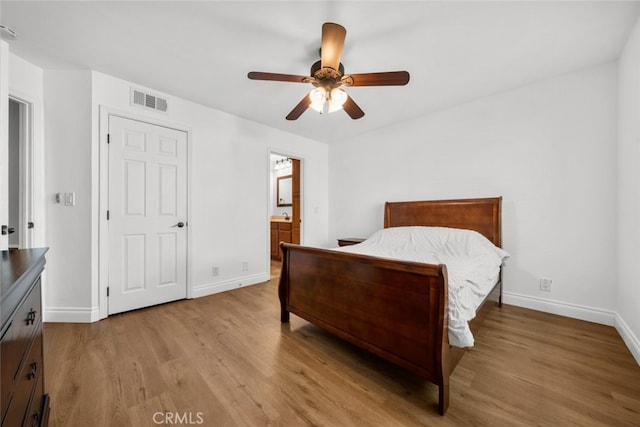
x: 318, y: 96
x: 338, y: 97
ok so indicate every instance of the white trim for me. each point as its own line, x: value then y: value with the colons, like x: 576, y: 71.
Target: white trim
x: 581, y: 312
x: 71, y: 314
x: 591, y: 314
x: 628, y: 337
x: 26, y: 178
x: 227, y: 285
x: 4, y: 139
x: 103, y: 203
x: 190, y: 179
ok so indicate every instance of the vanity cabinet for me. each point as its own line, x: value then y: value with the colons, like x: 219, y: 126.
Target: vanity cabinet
x: 22, y: 396
x: 281, y: 231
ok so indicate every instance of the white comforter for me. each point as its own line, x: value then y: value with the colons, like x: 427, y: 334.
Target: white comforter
x: 473, y: 265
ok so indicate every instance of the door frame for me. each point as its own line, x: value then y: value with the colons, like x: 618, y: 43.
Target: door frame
x: 103, y: 197
x: 4, y: 140
x: 26, y: 173
x: 284, y: 153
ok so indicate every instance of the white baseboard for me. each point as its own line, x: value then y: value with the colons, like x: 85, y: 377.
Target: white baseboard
x: 71, y: 314
x: 628, y: 337
x: 227, y: 285
x: 89, y: 315
x: 590, y: 314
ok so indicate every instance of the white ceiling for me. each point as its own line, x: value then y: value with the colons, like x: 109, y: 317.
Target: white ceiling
x: 202, y: 50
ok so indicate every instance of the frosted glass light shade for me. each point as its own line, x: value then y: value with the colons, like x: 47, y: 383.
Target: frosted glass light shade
x: 318, y: 97
x: 338, y: 97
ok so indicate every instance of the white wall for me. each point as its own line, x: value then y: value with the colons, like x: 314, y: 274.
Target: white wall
x: 67, y: 107
x: 628, y: 220
x: 229, y: 189
x: 549, y: 149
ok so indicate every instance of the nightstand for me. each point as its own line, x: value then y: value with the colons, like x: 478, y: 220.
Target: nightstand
x: 348, y: 241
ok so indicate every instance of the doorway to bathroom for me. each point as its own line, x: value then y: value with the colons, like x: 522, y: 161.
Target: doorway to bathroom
x: 285, y: 202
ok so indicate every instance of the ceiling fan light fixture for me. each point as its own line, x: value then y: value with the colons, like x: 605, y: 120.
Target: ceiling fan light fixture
x: 324, y: 101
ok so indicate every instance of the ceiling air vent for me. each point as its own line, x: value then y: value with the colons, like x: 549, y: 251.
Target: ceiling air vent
x: 7, y: 33
x: 148, y: 101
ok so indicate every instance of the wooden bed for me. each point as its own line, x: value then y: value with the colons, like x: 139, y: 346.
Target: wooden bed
x: 394, y: 309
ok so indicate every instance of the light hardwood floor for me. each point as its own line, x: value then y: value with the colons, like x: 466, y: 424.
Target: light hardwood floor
x: 225, y: 360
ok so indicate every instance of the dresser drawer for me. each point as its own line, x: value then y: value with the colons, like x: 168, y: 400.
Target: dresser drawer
x: 29, y: 376
x: 37, y: 415
x: 16, y: 340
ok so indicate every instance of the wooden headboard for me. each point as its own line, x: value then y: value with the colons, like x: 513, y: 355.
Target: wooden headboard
x: 482, y: 215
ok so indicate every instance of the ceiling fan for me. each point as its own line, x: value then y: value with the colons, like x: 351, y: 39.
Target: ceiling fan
x: 327, y: 76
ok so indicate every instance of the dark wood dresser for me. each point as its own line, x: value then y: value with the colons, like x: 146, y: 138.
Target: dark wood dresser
x: 22, y: 397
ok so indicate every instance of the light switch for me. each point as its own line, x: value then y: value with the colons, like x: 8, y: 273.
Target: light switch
x: 70, y: 199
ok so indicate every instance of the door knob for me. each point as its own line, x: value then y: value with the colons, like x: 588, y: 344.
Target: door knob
x: 179, y: 225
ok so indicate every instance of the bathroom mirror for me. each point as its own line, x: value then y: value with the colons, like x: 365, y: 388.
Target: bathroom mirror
x: 283, y: 193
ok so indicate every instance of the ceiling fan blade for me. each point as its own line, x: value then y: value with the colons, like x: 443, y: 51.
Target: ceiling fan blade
x: 352, y: 109
x: 300, y: 108
x: 390, y: 78
x: 333, y: 36
x: 258, y: 75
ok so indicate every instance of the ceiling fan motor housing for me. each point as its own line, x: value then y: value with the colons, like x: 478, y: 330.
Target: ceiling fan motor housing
x: 326, y: 77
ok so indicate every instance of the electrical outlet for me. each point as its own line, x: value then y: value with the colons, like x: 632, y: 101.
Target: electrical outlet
x: 245, y: 266
x: 545, y: 284
x: 216, y: 271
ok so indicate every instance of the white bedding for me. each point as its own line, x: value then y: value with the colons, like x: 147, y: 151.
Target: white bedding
x: 473, y: 265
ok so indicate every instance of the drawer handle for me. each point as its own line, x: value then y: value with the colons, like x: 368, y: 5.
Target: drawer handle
x: 31, y: 317
x: 34, y: 371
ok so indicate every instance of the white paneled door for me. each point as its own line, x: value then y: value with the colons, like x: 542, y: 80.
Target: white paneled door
x: 147, y: 214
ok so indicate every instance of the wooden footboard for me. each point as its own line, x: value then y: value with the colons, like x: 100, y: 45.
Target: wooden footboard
x: 394, y: 309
